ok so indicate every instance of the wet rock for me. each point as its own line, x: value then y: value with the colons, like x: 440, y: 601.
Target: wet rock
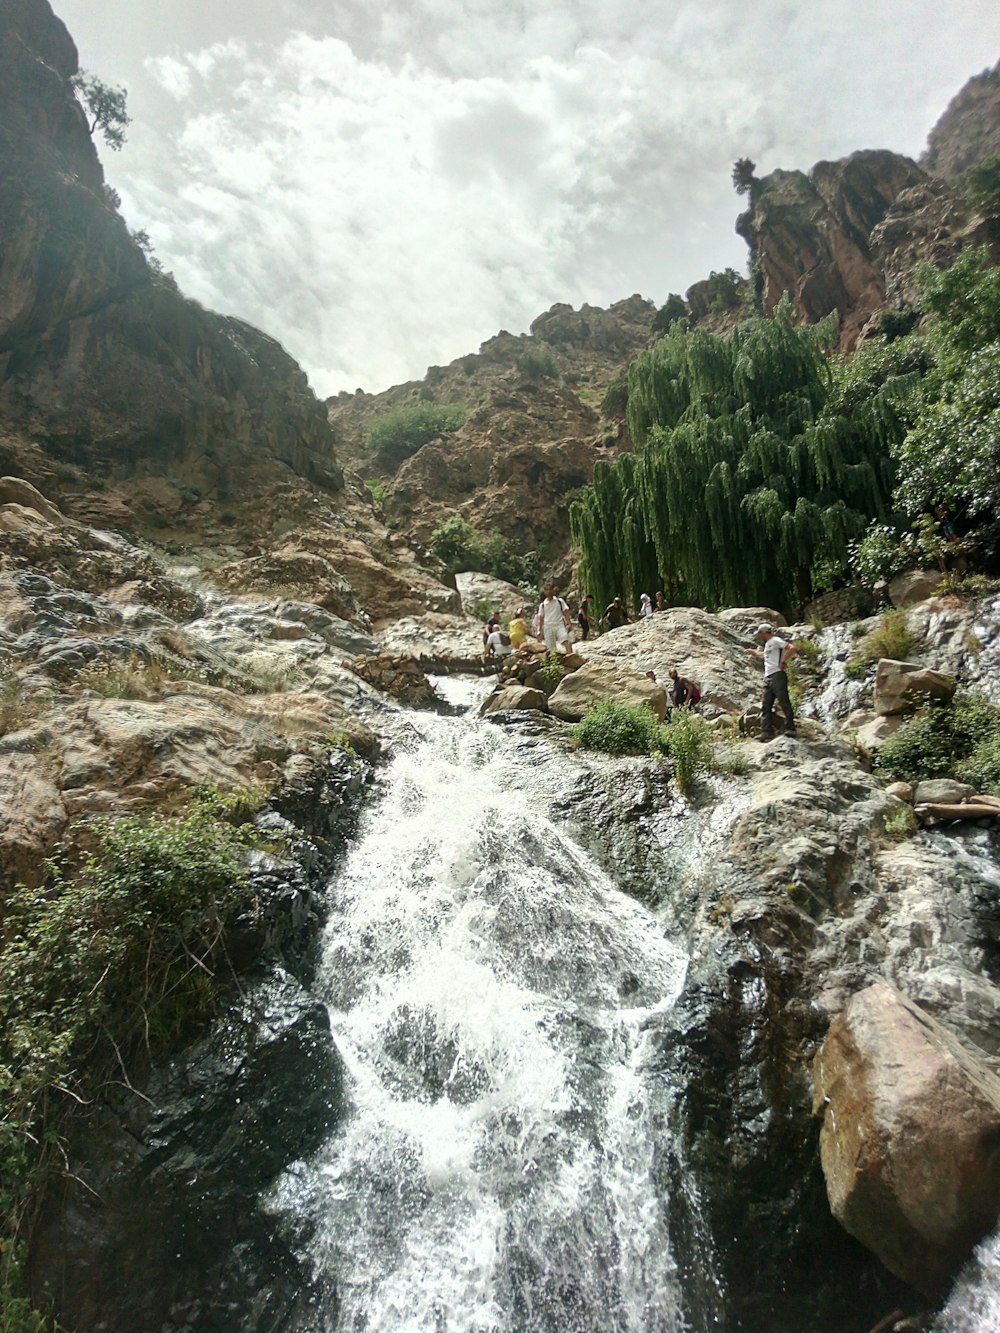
x: 902, y: 685
x: 399, y: 677
x: 516, y: 697
x: 163, y: 1224
x: 910, y: 1125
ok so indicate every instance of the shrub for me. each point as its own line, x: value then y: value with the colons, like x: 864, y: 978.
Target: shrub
x: 550, y: 671
x: 377, y: 491
x: 460, y: 547
x: 673, y: 308
x: 116, y: 956
x: 688, y: 742
x: 856, y: 668
x: 619, y: 728
x: 406, y: 429
x: 893, y: 637
x: 537, y: 363
x: 960, y: 739
x: 615, y: 400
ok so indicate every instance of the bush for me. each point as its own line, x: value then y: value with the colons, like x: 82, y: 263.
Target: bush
x: 458, y: 545
x: 406, y: 429
x: 618, y: 728
x: 551, y: 671
x: 672, y: 308
x: 116, y: 956
x: 893, y: 638
x: 960, y: 739
x: 687, y: 741
x: 537, y: 363
x: 615, y: 400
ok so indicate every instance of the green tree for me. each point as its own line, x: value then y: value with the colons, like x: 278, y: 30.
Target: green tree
x: 743, y: 175
x: 750, y: 472
x: 403, y: 431
x: 673, y: 308
x: 105, y: 107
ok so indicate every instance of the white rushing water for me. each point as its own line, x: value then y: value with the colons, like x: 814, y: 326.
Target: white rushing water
x: 488, y: 989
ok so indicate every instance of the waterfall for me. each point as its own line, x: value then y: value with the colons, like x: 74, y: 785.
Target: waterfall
x: 490, y: 991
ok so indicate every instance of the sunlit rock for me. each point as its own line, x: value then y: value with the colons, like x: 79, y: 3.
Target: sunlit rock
x: 910, y: 1126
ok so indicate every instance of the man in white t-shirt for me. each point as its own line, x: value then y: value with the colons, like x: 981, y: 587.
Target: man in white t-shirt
x: 499, y: 644
x: 774, y: 654
x: 552, y: 622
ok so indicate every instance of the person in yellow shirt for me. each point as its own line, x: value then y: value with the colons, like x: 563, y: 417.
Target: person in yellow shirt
x: 518, y: 629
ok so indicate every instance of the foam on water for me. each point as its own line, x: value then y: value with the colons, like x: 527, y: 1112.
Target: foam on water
x: 488, y: 989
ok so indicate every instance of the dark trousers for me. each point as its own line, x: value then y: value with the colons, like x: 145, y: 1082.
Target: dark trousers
x: 776, y: 688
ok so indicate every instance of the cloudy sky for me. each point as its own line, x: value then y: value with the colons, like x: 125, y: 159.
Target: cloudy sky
x: 383, y: 184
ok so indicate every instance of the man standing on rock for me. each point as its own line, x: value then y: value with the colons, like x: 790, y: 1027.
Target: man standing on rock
x: 774, y: 654
x: 553, y: 621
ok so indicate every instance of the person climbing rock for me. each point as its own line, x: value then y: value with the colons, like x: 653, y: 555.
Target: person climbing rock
x: 553, y: 621
x: 683, y: 693
x: 645, y: 605
x: 774, y: 654
x: 615, y: 615
x: 584, y: 614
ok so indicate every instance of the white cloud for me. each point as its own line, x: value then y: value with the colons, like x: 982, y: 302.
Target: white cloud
x: 389, y: 196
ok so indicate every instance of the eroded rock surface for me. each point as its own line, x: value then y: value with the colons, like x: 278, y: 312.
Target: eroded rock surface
x: 909, y: 1141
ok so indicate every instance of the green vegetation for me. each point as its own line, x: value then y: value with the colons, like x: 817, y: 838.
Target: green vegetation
x: 377, y: 491
x: 960, y: 739
x: 768, y: 466
x: 111, y: 962
x: 460, y: 547
x: 618, y: 728
x: 550, y: 672
x: 901, y: 823
x: 743, y: 175
x: 538, y: 363
x: 674, y: 307
x: 893, y: 638
x: 615, y: 400
x: 105, y: 106
x: 751, y: 470
x: 404, y: 430
x: 856, y: 668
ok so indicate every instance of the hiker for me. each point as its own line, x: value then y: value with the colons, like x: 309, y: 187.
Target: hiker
x: 553, y: 622
x: 774, y: 654
x: 518, y: 628
x: 500, y: 643
x: 615, y: 615
x: 645, y: 605
x: 584, y: 614
x: 683, y: 693
x: 661, y: 603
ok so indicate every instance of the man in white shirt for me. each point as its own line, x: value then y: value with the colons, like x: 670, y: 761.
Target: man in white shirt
x: 553, y: 622
x: 774, y: 654
x: 499, y: 644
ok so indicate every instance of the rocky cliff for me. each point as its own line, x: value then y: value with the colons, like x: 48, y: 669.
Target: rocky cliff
x: 969, y: 130
x: 532, y: 436
x: 104, y: 366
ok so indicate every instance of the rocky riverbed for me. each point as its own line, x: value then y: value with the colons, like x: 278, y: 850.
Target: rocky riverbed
x: 130, y: 677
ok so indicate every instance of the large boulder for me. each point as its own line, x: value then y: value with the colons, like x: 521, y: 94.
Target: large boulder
x: 911, y: 1123
x: 517, y: 697
x: 900, y: 686
x: 702, y: 647
x: 599, y: 680
x: 914, y: 585
x: 477, y: 589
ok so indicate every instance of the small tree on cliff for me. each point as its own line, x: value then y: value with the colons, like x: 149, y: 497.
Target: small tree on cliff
x: 105, y: 107
x: 743, y: 175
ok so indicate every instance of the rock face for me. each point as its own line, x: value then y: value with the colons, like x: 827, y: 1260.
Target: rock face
x: 901, y: 686
x: 532, y: 438
x: 704, y: 648
x: 911, y: 1123
x: 969, y: 130
x: 809, y: 235
x: 101, y: 360
x: 604, y: 678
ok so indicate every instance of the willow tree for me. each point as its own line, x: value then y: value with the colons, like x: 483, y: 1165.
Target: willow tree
x: 751, y: 469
